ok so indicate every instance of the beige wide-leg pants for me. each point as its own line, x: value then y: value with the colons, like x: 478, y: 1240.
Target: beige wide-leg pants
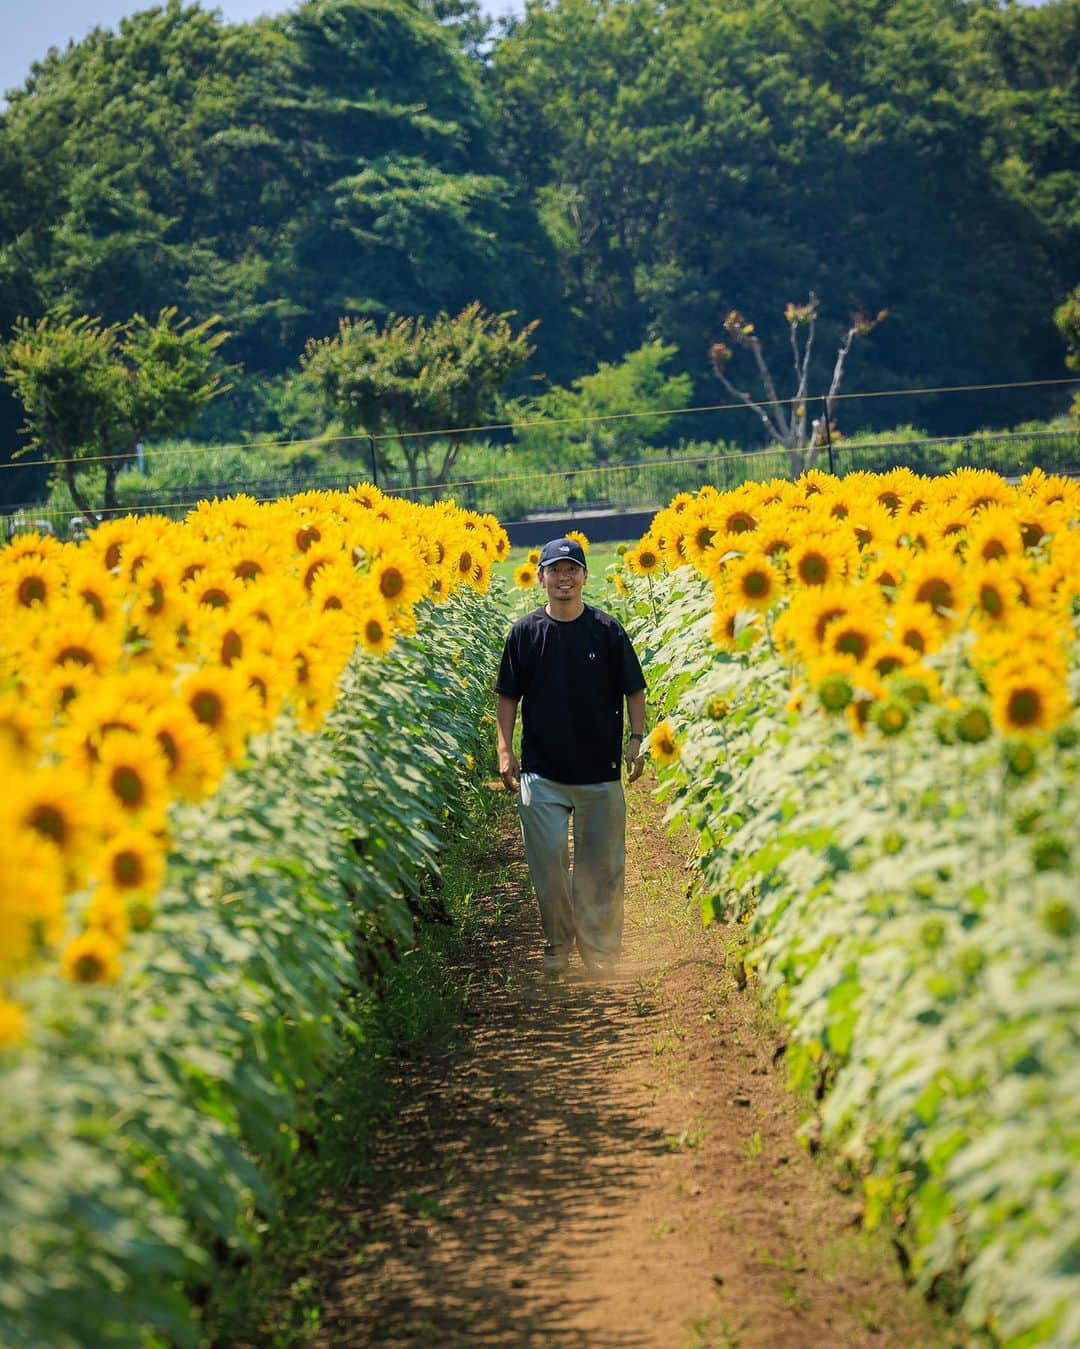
x: 582, y: 903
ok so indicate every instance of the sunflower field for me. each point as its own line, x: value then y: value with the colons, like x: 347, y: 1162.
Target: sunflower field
x: 868, y: 689
x: 232, y: 748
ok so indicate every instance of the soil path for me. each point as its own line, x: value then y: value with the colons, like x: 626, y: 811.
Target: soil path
x: 606, y: 1165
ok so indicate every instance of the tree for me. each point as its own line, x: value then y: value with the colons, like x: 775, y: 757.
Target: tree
x: 415, y: 378
x: 684, y: 153
x: 1067, y: 318
x: 600, y: 417
x: 92, y: 391
x: 785, y: 420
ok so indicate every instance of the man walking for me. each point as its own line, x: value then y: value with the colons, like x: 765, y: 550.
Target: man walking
x: 570, y: 666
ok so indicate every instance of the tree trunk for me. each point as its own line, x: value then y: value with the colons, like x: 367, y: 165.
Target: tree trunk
x: 81, y: 503
x: 112, y: 468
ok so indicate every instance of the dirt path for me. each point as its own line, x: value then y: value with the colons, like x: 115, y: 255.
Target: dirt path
x: 606, y: 1165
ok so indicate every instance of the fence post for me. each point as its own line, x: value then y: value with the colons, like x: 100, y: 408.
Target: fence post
x: 828, y: 435
x: 374, y: 470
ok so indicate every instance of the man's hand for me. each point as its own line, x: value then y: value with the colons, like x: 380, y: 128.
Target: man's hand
x: 635, y: 762
x: 509, y: 770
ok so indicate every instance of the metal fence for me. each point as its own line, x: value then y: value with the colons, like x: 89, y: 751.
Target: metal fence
x: 612, y: 488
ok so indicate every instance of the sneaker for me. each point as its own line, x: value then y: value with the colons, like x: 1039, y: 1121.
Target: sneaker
x: 555, y: 963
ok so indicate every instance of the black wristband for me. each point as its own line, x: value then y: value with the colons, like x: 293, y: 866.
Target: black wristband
x: 635, y: 736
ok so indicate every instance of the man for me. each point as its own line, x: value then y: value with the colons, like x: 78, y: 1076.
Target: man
x: 571, y: 666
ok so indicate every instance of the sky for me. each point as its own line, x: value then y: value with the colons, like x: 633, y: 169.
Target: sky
x: 30, y: 27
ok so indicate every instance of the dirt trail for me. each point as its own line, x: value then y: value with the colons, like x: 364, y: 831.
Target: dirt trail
x: 606, y: 1165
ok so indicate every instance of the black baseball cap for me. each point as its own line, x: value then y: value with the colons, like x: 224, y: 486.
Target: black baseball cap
x: 563, y: 550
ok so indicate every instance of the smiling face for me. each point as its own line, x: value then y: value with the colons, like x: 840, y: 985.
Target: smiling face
x: 563, y: 582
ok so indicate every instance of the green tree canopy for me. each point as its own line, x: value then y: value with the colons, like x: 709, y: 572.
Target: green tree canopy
x: 334, y: 160
x: 415, y: 378
x: 690, y: 158
x: 91, y: 391
x: 607, y: 415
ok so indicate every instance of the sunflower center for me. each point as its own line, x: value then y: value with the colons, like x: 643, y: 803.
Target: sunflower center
x: 742, y: 522
x: 94, y: 602
x: 936, y: 592
x: 756, y: 584
x: 167, y: 741
x: 128, y: 787
x: 51, y: 823
x: 814, y: 569
x: 156, y: 601
x: 88, y: 969
x: 391, y: 583
x: 990, y: 601
x: 992, y: 549
x: 208, y: 707
x: 31, y: 590
x: 215, y: 598
x: 373, y: 631
x: 852, y: 643
x: 78, y: 655
x: 1024, y: 707
x: 306, y: 537
x: 128, y: 869
x: 232, y: 647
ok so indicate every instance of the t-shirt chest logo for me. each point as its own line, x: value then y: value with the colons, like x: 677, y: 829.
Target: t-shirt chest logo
x: 592, y: 655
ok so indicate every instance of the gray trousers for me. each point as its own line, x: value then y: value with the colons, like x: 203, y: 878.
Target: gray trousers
x: 583, y: 902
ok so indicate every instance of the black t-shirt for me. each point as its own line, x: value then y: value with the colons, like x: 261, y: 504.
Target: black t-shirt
x: 571, y: 678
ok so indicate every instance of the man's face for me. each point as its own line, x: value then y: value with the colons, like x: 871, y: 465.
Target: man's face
x: 562, y: 580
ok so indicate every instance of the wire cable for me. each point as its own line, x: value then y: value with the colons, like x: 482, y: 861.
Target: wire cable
x: 179, y: 451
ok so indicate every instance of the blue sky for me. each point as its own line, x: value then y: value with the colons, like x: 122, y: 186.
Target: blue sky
x: 31, y: 27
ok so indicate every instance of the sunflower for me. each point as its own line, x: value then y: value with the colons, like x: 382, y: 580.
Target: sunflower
x: 916, y: 627
x: 53, y: 802
x: 853, y: 634
x: 579, y: 537
x: 95, y: 587
x: 73, y: 636
x: 400, y: 577
x: 525, y: 576
x: 890, y: 716
x: 885, y: 657
x: 992, y: 593
x: 754, y: 582
x: 814, y: 561
x: 132, y: 863
x: 662, y: 745
x: 375, y: 632
x: 91, y: 958
x: 132, y: 773
x: 994, y: 534
x: 977, y: 488
x: 643, y: 559
x: 29, y: 581
x: 106, y: 541
x: 214, y: 587
x: 194, y: 757
x: 223, y: 702
x: 802, y: 627
x: 936, y: 580
x: 1027, y: 699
